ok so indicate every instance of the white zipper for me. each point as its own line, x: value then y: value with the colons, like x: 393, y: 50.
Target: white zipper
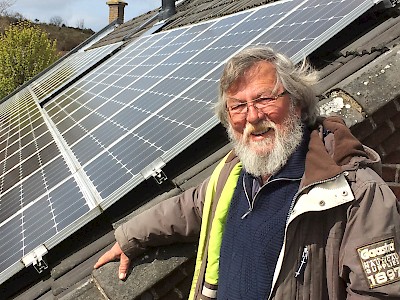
x: 303, y: 263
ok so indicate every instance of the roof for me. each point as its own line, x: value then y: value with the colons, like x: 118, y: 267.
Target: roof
x: 359, y: 68
x: 188, y: 12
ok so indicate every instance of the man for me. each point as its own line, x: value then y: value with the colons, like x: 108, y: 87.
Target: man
x: 294, y: 212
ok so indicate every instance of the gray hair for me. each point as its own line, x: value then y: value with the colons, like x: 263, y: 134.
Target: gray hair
x: 296, y: 79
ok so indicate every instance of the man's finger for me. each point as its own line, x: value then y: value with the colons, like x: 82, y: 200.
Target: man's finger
x: 105, y: 258
x: 123, y: 266
x: 112, y: 254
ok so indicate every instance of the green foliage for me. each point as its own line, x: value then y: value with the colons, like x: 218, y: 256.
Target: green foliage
x: 25, y: 50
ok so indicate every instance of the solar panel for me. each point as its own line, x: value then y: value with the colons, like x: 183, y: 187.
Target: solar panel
x: 312, y: 24
x: 70, y: 68
x: 110, y: 129
x: 39, y: 197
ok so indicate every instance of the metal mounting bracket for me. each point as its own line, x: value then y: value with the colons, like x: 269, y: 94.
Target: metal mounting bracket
x: 35, y: 258
x: 154, y: 170
x: 390, y: 3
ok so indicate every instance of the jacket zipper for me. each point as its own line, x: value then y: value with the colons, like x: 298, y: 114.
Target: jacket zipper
x: 303, y: 262
x: 288, y: 216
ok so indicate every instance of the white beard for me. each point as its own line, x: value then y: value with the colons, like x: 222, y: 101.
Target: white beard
x: 285, y: 141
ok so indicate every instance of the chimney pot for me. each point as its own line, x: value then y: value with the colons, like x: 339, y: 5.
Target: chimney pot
x: 116, y: 10
x: 167, y: 9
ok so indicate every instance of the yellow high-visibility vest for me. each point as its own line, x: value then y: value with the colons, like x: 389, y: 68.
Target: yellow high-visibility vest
x: 217, y: 224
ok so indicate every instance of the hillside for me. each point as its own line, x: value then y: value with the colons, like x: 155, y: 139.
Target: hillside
x: 67, y: 37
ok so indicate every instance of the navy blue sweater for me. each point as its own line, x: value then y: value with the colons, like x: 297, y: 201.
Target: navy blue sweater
x: 251, y: 245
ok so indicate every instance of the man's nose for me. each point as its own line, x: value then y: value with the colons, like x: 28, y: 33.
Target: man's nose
x: 254, y: 115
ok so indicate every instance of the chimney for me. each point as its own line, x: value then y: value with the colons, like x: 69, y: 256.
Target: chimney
x: 116, y: 10
x: 167, y: 9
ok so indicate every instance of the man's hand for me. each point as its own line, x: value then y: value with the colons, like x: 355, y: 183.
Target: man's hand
x: 115, y: 253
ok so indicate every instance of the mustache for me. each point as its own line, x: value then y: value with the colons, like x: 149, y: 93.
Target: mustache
x: 258, y: 128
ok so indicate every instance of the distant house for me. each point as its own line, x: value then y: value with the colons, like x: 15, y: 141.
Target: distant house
x: 124, y: 121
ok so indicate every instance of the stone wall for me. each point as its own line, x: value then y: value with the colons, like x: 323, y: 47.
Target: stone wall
x: 381, y: 131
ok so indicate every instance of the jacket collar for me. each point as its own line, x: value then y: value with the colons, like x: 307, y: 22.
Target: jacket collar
x: 331, y: 148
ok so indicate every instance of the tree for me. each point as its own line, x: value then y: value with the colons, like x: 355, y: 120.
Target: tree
x: 5, y: 5
x: 56, y: 20
x: 25, y: 50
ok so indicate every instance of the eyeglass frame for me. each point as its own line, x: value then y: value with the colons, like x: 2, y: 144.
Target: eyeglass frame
x: 254, y: 103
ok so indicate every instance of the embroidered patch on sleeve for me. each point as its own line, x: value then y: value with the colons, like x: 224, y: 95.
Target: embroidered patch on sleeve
x: 380, y: 262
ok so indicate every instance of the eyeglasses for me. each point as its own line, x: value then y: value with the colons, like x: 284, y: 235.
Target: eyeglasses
x: 260, y: 104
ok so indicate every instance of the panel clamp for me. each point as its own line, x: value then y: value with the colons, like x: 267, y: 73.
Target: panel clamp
x: 35, y: 258
x: 154, y: 170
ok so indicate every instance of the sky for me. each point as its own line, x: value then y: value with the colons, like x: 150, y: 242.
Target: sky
x: 94, y: 13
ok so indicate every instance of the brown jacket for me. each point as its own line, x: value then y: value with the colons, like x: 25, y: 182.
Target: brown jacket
x: 345, y: 216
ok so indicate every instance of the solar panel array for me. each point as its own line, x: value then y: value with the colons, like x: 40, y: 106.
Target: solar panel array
x: 145, y: 104
x: 39, y: 194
